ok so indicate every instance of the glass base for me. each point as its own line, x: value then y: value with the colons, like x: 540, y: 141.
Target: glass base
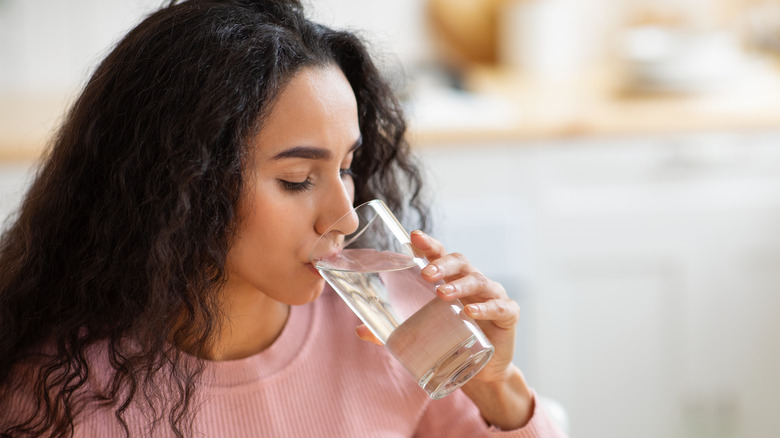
x: 462, y: 363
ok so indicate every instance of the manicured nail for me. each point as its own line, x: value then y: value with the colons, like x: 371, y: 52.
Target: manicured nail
x: 447, y: 289
x: 430, y: 270
x: 476, y: 308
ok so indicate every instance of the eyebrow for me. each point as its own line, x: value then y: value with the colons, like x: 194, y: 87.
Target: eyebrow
x: 311, y: 152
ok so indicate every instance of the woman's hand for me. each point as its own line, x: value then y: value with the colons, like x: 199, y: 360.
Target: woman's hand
x: 499, y: 389
x: 485, y: 301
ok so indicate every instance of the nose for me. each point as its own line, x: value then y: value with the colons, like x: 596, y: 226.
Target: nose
x: 335, y: 220
x: 336, y: 211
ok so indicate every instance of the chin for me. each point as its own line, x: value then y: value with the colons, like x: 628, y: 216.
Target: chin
x: 310, y: 294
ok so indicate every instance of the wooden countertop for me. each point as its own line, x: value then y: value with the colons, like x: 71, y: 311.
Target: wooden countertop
x: 599, y: 104
x: 590, y: 105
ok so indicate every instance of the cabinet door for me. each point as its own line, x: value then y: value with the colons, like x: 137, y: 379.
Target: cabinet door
x: 647, y: 270
x: 607, y: 346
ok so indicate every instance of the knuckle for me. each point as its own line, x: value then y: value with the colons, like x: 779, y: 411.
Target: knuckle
x: 513, y: 309
x: 481, y: 279
x: 459, y: 257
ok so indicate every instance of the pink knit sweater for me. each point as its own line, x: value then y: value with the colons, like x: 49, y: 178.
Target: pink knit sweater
x: 319, y: 380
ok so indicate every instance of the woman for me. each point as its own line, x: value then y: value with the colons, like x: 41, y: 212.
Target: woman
x: 156, y: 280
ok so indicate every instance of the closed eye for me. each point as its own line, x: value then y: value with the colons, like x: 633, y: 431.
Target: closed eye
x: 293, y: 186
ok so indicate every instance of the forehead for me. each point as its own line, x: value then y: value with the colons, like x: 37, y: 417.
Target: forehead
x: 316, y: 108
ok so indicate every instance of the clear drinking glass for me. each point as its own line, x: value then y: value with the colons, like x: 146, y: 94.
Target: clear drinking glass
x: 367, y: 257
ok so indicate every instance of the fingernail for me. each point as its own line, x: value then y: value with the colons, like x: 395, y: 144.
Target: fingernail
x: 447, y: 289
x: 430, y: 270
x: 418, y: 232
x: 475, y: 308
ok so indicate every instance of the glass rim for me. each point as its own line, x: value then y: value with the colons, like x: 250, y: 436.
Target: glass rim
x: 361, y: 229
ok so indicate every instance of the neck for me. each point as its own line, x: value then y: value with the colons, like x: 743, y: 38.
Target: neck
x: 252, y: 322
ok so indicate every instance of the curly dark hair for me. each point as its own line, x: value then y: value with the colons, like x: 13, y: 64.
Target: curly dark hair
x: 125, y: 230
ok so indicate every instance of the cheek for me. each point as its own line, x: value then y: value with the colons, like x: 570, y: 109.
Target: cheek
x: 251, y: 236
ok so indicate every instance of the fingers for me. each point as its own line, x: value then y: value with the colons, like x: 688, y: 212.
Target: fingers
x: 431, y: 248
x: 504, y: 313
x: 448, y: 267
x: 484, y: 298
x: 473, y: 284
x: 461, y: 277
x: 443, y: 265
x: 365, y: 334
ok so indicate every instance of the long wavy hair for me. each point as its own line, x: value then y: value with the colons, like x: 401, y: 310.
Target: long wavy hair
x: 124, y: 232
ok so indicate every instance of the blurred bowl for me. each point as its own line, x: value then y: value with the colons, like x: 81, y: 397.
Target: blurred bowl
x: 668, y: 59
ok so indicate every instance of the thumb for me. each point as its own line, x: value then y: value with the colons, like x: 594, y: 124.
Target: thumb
x: 365, y: 334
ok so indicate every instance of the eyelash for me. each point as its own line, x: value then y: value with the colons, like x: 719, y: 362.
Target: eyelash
x: 297, y: 186
x: 307, y: 184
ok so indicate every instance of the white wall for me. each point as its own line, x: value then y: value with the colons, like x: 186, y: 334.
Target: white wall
x: 50, y: 46
x: 14, y: 178
x: 395, y: 29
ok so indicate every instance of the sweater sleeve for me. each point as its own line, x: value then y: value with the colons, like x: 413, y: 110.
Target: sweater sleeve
x: 457, y: 416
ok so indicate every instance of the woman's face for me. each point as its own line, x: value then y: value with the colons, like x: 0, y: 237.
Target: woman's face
x: 297, y: 186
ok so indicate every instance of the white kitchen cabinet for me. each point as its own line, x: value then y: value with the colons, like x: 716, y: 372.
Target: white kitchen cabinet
x: 648, y: 271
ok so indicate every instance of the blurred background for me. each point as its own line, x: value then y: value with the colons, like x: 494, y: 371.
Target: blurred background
x: 614, y: 163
